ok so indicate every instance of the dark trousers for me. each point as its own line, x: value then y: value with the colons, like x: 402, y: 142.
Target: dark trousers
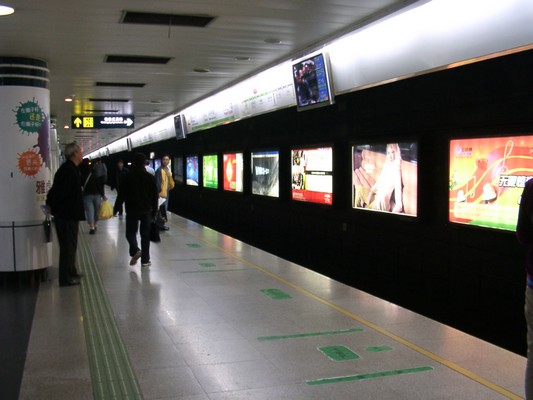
x: 163, y: 209
x: 161, y: 217
x: 67, y: 235
x: 132, y: 226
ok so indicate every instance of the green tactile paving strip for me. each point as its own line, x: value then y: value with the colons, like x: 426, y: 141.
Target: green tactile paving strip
x: 310, y: 334
x: 112, y: 375
x: 374, y: 375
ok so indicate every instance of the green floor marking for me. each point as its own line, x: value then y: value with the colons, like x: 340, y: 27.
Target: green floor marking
x: 276, y: 294
x: 310, y: 334
x: 377, y: 349
x: 213, y: 270
x: 207, y: 265
x: 112, y: 375
x: 339, y: 353
x: 198, y: 259
x: 193, y: 245
x: 361, y: 377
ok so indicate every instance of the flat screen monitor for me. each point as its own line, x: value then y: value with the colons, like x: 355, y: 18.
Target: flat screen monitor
x: 179, y: 173
x: 385, y: 177
x: 191, y: 171
x: 265, y: 173
x: 233, y: 172
x: 210, y: 171
x: 179, y: 126
x: 312, y: 175
x: 487, y: 177
x: 312, y: 82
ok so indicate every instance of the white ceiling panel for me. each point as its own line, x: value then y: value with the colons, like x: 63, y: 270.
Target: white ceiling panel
x: 74, y: 36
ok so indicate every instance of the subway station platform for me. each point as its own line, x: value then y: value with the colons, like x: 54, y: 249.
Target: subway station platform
x: 214, y: 318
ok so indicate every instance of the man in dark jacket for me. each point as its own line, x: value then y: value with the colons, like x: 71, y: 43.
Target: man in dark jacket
x: 524, y: 233
x: 138, y: 191
x: 65, y: 202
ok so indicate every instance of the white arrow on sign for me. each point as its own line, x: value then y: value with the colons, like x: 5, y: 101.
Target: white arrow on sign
x: 128, y: 122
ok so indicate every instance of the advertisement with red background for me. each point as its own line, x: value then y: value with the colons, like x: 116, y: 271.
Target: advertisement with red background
x: 487, y: 177
x: 233, y: 172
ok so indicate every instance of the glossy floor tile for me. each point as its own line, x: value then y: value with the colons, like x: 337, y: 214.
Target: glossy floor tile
x: 214, y: 318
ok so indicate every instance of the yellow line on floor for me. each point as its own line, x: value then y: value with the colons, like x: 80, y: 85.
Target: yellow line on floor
x: 412, y: 346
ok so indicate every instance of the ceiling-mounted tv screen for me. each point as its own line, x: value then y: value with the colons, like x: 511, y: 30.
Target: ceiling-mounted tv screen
x: 385, y: 177
x: 210, y: 171
x: 265, y: 173
x: 179, y: 126
x: 191, y: 171
x: 487, y: 177
x: 233, y: 172
x: 312, y: 82
x: 312, y: 175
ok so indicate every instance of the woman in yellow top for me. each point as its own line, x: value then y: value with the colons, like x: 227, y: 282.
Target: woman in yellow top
x: 165, y: 183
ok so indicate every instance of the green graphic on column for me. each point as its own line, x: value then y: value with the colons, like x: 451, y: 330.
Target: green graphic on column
x: 30, y: 116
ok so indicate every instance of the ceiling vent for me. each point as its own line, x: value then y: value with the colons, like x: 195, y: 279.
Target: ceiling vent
x: 109, y: 100
x: 120, y: 84
x: 199, y: 21
x: 137, y: 59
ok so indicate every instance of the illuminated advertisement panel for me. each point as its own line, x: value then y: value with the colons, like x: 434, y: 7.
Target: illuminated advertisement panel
x: 210, y: 171
x: 233, y: 172
x: 191, y: 171
x: 312, y: 175
x: 487, y: 177
x: 265, y: 173
x: 385, y: 177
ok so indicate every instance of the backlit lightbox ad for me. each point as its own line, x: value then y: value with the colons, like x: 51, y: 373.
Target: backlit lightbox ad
x: 487, y: 177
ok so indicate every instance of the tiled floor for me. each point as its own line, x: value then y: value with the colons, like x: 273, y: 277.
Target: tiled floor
x: 214, y: 318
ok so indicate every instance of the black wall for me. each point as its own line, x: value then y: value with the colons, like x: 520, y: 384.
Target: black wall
x: 470, y: 278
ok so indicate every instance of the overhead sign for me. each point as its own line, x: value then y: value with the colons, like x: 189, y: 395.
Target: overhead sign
x: 101, y: 122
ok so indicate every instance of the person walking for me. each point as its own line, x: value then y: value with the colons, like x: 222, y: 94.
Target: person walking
x: 119, y: 174
x: 65, y: 202
x: 93, y: 194
x: 139, y: 194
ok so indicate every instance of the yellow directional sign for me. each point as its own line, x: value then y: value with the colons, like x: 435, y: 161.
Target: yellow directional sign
x: 102, y: 122
x: 83, y: 122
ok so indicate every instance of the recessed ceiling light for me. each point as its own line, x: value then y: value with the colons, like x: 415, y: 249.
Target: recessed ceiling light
x: 272, y: 41
x: 66, y: 127
x: 68, y: 99
x: 6, y: 10
x: 242, y: 58
x: 202, y: 70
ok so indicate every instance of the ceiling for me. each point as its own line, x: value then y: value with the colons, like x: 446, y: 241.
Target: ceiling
x: 75, y: 38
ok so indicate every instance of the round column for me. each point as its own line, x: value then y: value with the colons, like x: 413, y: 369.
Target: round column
x: 25, y: 177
